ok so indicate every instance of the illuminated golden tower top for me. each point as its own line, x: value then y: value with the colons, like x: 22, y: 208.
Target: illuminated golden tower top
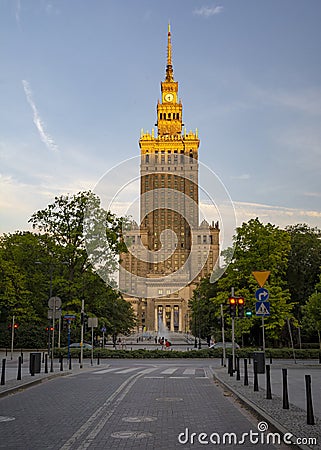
x: 169, y: 68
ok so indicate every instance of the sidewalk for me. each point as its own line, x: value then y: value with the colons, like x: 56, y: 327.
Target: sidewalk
x: 294, y: 419
x: 12, y: 384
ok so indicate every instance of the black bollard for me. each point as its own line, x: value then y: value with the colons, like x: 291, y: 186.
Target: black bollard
x: 61, y: 363
x: 46, y: 363
x: 230, y: 366
x: 3, y: 372
x: 256, y: 379
x: 270, y: 358
x: 98, y: 359
x: 21, y: 356
x: 222, y: 359
x: 268, y: 382
x: 19, y: 368
x: 238, y: 375
x: 285, y: 389
x: 70, y: 362
x: 32, y: 364
x: 246, y: 377
x: 249, y: 358
x: 310, y: 415
x: 43, y: 357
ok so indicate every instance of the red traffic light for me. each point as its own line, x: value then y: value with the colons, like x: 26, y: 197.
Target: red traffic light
x: 232, y: 300
x: 240, y: 301
x: 51, y: 329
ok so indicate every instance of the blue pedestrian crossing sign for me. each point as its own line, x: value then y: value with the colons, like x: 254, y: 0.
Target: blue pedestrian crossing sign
x: 262, y: 308
x: 262, y: 295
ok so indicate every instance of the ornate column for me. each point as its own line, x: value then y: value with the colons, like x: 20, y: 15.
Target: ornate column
x: 172, y: 318
x: 156, y: 317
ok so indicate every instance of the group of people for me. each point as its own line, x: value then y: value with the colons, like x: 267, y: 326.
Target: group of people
x: 165, y: 343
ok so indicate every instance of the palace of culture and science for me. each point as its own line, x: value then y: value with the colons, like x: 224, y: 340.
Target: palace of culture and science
x: 169, y: 252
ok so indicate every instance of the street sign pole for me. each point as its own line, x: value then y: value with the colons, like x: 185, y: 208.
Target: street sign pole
x: 233, y: 336
x: 53, y: 337
x: 12, y: 336
x: 223, y: 336
x: 263, y: 335
x: 82, y: 334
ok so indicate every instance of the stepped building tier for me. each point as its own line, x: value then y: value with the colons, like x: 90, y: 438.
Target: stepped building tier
x: 169, y: 251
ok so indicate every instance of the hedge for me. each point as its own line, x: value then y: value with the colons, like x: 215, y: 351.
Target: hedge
x: 278, y: 353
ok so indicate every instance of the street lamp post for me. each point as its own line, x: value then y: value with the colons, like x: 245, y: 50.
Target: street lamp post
x: 199, y: 324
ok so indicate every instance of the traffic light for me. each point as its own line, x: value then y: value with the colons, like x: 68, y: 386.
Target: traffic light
x: 232, y: 302
x: 248, y: 313
x: 240, y: 307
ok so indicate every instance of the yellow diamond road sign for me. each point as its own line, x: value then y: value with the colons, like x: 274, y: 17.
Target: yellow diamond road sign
x: 261, y: 277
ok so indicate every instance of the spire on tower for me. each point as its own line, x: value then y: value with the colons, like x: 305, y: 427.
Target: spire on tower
x: 169, y: 67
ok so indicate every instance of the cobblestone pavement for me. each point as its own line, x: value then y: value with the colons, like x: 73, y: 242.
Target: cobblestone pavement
x: 128, y: 404
x: 294, y: 419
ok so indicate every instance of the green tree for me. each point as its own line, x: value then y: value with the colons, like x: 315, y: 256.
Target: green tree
x: 312, y: 313
x: 304, y: 263
x: 258, y: 247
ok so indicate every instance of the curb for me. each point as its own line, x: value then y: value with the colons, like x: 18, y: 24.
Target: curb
x: 260, y: 413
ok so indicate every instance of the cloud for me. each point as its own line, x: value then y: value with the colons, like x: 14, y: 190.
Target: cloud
x: 243, y: 176
x: 278, y: 215
x: 208, y: 11
x: 44, y: 136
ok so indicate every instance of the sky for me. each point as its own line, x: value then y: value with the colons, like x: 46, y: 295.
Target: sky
x: 79, y: 80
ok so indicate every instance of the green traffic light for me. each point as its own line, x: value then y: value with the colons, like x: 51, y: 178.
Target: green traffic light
x: 248, y: 313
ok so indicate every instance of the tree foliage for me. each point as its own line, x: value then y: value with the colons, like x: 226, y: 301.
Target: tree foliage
x: 257, y: 247
x: 53, y: 261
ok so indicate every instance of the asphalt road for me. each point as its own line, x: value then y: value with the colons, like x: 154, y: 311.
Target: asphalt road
x: 128, y: 404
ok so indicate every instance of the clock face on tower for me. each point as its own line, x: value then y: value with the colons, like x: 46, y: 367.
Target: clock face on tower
x: 168, y: 97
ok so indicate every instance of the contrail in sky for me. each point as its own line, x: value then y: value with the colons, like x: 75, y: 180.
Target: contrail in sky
x: 45, y: 137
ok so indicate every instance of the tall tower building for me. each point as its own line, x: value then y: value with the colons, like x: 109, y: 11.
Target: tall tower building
x: 169, y: 252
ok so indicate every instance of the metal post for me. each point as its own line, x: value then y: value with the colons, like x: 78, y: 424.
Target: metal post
x: 256, y: 380
x: 263, y: 335
x: 223, y: 336
x: 46, y: 363
x: 19, y: 368
x: 92, y: 344
x: 32, y: 364
x: 199, y: 324
x: 82, y: 334
x: 285, y: 389
x: 233, y: 333
x: 238, y: 375
x: 69, y: 354
x: 3, y: 372
x: 59, y: 328
x: 230, y: 365
x: 268, y: 382
x: 12, y: 336
x: 233, y: 342
x: 310, y: 415
x: 246, y: 377
x: 53, y: 336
